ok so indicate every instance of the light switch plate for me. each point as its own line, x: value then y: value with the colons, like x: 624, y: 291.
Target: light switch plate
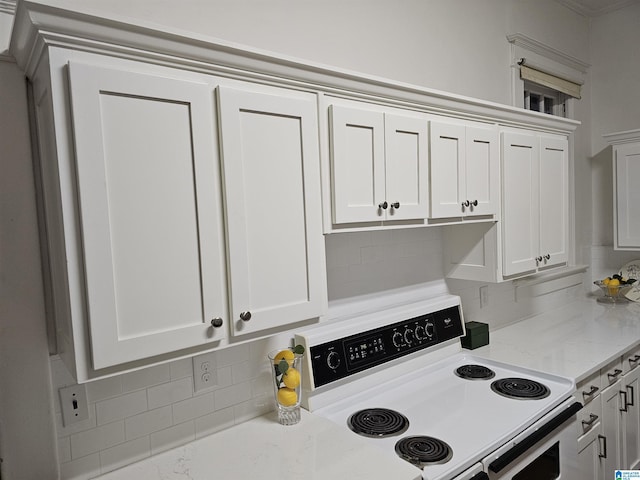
x: 73, y: 402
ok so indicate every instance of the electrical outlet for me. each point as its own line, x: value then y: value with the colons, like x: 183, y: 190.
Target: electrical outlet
x: 205, y: 374
x: 73, y: 401
x: 484, y: 296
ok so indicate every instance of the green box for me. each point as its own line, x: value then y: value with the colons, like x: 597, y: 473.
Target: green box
x: 477, y: 335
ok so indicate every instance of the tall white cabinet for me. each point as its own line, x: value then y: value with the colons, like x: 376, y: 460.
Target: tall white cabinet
x: 148, y: 196
x: 535, y: 183
x: 626, y: 196
x: 270, y: 165
x: 187, y: 207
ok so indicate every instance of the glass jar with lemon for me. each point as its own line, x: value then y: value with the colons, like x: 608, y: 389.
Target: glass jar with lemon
x: 286, y: 366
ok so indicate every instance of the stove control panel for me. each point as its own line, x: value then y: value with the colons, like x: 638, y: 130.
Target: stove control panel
x: 340, y: 358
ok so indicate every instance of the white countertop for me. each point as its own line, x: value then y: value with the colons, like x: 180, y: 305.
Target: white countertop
x: 573, y: 341
x: 261, y: 448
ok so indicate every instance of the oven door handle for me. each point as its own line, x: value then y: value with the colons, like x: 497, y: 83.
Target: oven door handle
x: 510, y: 455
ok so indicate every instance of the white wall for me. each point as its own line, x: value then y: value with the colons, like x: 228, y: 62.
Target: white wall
x: 457, y: 46
x: 615, y: 105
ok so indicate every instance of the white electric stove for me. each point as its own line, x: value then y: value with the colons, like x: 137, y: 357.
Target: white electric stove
x: 398, y: 378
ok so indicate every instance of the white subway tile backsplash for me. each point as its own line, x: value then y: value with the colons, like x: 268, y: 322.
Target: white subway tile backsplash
x: 147, y: 377
x: 232, y: 395
x: 103, y: 389
x: 181, y: 368
x: 81, y: 469
x: 154, y: 409
x: 99, y: 438
x: 170, y: 392
x: 193, y: 407
x: 121, y: 407
x: 124, y: 454
x: 148, y: 422
x: 214, y: 422
x: 172, y: 437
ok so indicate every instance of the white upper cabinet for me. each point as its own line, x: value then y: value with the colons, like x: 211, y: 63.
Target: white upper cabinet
x: 271, y: 172
x: 379, y: 164
x: 145, y: 156
x: 464, y: 165
x: 626, y: 195
x: 534, y: 202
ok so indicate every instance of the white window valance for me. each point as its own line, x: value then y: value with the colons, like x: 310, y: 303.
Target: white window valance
x: 551, y: 81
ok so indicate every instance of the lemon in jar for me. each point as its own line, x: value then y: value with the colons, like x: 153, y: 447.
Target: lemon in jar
x: 291, y: 378
x: 287, y: 355
x: 287, y: 397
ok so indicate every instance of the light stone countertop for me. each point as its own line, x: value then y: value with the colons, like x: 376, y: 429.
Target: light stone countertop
x: 573, y: 341
x: 314, y: 449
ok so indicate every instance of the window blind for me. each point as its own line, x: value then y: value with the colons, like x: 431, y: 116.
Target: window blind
x: 551, y: 81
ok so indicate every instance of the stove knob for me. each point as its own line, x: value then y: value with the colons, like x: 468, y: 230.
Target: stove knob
x: 420, y: 333
x: 333, y: 360
x: 408, y: 336
x: 397, y: 339
x: 429, y: 329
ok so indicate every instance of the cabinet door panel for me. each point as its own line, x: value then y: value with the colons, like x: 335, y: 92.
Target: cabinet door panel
x: 627, y: 173
x: 272, y: 198
x: 447, y: 160
x: 147, y: 188
x: 612, y: 426
x: 406, y: 164
x: 357, y: 164
x: 519, y: 203
x: 554, y: 197
x: 481, y: 170
x: 632, y: 419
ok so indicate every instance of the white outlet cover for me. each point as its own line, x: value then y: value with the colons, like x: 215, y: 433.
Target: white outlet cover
x: 73, y: 403
x: 205, y: 373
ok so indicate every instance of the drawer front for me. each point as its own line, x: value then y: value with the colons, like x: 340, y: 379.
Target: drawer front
x: 631, y: 359
x: 611, y: 373
x: 589, y: 388
x: 590, y: 416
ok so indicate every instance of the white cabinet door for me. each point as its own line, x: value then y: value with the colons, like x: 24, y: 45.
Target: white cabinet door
x: 379, y: 164
x: 631, y: 385
x: 520, y: 214
x: 464, y: 171
x: 357, y: 164
x: 591, y: 455
x: 612, y: 427
x: 481, y: 172
x: 406, y: 167
x: 447, y: 161
x: 627, y: 196
x: 150, y: 218
x: 554, y: 199
x: 271, y: 175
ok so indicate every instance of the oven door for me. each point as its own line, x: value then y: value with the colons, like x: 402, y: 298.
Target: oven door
x: 546, y: 450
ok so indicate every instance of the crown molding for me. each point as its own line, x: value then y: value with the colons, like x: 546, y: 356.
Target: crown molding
x: 528, y: 43
x: 587, y: 11
x: 38, y: 27
x: 8, y: 6
x: 622, y: 137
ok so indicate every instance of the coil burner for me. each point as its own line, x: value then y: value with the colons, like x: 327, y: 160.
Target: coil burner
x: 520, y: 388
x: 378, y: 422
x: 475, y: 372
x: 422, y: 450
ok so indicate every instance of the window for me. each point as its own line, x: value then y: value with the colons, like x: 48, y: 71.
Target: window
x: 544, y: 99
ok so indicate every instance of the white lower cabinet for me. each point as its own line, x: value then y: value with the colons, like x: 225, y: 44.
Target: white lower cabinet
x: 161, y: 237
x: 609, y: 423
